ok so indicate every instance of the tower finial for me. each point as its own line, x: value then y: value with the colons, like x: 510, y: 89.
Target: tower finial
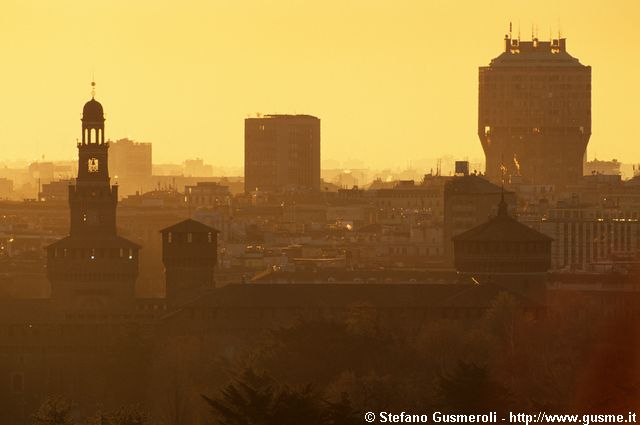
x: 502, y: 206
x: 510, y: 30
x: 93, y: 89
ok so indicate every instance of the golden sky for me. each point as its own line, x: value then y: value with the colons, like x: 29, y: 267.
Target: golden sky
x: 392, y: 81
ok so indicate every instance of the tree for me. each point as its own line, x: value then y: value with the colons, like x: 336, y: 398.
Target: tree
x: 342, y: 412
x: 256, y: 400
x: 469, y: 389
x: 504, y: 319
x: 54, y: 411
x: 247, y: 401
x: 130, y: 415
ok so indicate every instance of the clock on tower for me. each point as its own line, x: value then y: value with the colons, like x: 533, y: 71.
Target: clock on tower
x: 93, y: 266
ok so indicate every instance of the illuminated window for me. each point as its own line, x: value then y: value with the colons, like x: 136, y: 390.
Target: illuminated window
x: 189, y: 237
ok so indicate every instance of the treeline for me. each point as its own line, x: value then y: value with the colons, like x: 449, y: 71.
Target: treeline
x: 332, y: 372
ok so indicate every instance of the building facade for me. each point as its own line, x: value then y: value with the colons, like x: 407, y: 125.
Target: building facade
x: 592, y: 238
x: 282, y: 152
x: 130, y: 164
x: 534, y: 112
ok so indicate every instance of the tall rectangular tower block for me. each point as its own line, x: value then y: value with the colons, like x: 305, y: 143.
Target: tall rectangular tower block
x: 534, y: 112
x: 282, y: 152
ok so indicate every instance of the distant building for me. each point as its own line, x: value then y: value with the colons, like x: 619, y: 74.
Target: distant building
x: 6, y: 187
x: 56, y: 191
x: 42, y: 172
x: 611, y: 168
x: 282, y: 152
x: 592, y: 238
x: 468, y: 202
x: 130, y: 164
x: 406, y: 195
x: 534, y: 112
x: 129, y: 159
x: 207, y: 194
x: 197, y: 168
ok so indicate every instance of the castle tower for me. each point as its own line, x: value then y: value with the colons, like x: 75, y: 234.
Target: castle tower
x: 93, y: 267
x: 534, y: 112
x: 190, y: 255
x: 504, y: 252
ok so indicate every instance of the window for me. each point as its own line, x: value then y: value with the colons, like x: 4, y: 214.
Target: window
x: 210, y: 237
x: 170, y: 237
x: 189, y: 237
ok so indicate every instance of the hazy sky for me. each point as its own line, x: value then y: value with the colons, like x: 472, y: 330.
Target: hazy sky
x: 392, y: 81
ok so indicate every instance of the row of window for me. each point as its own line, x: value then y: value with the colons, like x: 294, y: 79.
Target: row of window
x: 92, y: 277
x: 190, y: 237
x: 94, y: 253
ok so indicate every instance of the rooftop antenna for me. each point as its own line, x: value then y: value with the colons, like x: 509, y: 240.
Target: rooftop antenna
x: 559, y: 29
x: 518, y: 31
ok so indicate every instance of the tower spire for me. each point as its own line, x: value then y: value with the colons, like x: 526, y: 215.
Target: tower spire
x: 93, y: 88
x: 502, y: 206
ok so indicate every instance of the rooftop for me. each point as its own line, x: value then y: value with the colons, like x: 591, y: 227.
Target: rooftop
x: 502, y: 228
x: 535, y: 53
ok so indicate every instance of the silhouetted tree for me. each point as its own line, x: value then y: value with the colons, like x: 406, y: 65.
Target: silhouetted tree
x: 470, y: 389
x: 247, y: 401
x: 342, y: 412
x: 256, y: 400
x: 130, y: 415
x: 293, y: 407
x: 54, y: 411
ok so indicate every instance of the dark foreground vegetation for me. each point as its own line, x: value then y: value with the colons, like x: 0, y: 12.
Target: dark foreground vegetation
x: 331, y: 373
